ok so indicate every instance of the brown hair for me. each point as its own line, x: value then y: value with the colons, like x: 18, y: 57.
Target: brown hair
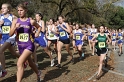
x: 8, y: 6
x: 99, y: 28
x: 62, y: 16
x: 22, y: 5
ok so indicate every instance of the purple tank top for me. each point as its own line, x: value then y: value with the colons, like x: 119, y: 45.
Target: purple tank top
x: 24, y: 32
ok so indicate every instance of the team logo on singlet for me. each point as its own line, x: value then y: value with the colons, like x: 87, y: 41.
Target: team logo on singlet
x: 5, y: 29
x: 23, y: 37
x: 25, y: 26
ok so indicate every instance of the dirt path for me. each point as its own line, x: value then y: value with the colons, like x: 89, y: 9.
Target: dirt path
x: 80, y: 71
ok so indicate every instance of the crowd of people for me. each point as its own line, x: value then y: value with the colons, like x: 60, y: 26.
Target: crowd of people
x: 23, y: 35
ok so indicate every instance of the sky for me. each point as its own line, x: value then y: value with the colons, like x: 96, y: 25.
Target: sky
x: 119, y: 3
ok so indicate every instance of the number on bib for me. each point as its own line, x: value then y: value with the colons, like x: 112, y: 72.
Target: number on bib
x: 101, y: 44
x: 5, y: 29
x: 23, y: 37
x: 77, y: 37
x: 114, y: 37
x: 120, y: 37
x: 62, y: 34
x: 51, y: 35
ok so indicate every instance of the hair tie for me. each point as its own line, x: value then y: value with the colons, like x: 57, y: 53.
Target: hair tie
x: 25, y: 3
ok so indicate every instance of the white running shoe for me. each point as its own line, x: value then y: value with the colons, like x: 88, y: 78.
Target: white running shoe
x: 52, y: 63
x: 39, y: 79
x: 0, y: 70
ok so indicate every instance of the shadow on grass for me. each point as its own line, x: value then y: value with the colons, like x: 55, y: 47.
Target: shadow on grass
x: 10, y: 64
x: 106, y: 71
x: 47, y: 62
x: 12, y: 78
x: 8, y: 55
x: 55, y: 74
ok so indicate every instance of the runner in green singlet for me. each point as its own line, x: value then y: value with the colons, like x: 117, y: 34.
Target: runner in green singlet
x: 101, y: 41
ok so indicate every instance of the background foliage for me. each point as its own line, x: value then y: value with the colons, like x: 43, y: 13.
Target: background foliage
x: 81, y: 11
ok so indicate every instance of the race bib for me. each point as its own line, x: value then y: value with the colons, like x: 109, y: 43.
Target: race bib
x: 77, y: 37
x: 120, y: 37
x: 101, y: 44
x: 62, y: 34
x: 23, y: 37
x: 5, y: 29
x: 51, y: 35
x: 114, y: 37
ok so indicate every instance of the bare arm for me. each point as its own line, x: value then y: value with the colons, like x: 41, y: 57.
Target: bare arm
x: 73, y: 35
x: 46, y: 32
x: 43, y: 26
x: 109, y: 40
x: 83, y: 37
x: 55, y: 32
x: 56, y: 29
x: 33, y: 23
x: 67, y: 29
x: 13, y: 27
x: 94, y: 37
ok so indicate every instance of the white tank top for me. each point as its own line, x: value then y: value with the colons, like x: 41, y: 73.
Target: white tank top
x: 74, y: 31
x: 51, y: 35
x: 40, y: 23
x: 93, y: 30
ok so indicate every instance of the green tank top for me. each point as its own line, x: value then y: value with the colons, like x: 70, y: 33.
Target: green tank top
x: 101, y: 41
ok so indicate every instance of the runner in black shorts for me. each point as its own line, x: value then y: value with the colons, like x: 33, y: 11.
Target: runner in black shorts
x: 101, y: 41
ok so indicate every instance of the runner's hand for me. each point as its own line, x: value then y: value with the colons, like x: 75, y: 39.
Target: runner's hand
x: 36, y: 34
x: 1, y: 22
x: 17, y: 25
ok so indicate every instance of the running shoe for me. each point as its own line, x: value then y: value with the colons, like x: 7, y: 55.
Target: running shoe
x: 4, y: 73
x: 0, y: 70
x: 51, y: 53
x: 81, y: 58
x: 52, y: 62
x: 92, y: 55
x: 39, y: 77
x: 25, y: 65
x: 82, y: 54
x: 96, y: 78
x: 119, y: 54
x: 72, y: 61
x: 36, y: 65
x: 59, y: 66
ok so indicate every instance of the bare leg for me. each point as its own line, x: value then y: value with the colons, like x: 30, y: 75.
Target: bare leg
x: 49, y: 43
x: 93, y: 46
x: 2, y: 57
x: 59, y: 47
x: 20, y: 69
x: 34, y: 53
x: 68, y: 50
x: 80, y: 50
x: 102, y: 57
x: 48, y: 52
